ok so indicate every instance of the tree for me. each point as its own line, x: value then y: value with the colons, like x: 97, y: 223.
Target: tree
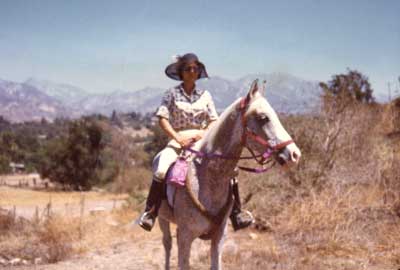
x: 4, y: 124
x: 73, y: 159
x: 115, y: 120
x: 4, y: 164
x: 352, y: 86
x: 158, y: 141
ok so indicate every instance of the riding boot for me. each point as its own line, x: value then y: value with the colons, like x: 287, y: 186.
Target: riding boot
x: 239, y: 219
x: 153, y: 202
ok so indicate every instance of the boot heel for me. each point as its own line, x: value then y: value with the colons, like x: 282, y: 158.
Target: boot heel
x: 153, y: 202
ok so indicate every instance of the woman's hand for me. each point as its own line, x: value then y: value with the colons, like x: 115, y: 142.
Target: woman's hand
x: 183, y: 138
x: 185, y: 141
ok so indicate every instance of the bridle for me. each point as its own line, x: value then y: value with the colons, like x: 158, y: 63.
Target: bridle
x: 270, y: 146
x: 262, y: 159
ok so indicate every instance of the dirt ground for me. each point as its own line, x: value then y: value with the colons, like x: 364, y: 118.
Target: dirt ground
x: 144, y: 253
x: 114, y: 242
x: 27, y: 203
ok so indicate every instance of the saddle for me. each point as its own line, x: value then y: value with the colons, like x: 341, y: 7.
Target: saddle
x: 176, y: 178
x: 177, y: 172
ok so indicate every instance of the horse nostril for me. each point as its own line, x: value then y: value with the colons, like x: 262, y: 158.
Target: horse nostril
x: 295, y: 156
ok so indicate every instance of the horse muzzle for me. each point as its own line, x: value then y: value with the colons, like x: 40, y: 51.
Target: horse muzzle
x: 289, y: 155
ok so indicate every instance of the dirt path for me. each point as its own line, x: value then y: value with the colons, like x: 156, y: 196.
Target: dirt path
x: 121, y: 256
x: 27, y: 203
x: 68, y: 209
x: 241, y: 251
x: 129, y: 247
x: 144, y: 254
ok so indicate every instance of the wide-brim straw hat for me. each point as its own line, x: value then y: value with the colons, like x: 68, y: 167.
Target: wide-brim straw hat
x: 173, y: 70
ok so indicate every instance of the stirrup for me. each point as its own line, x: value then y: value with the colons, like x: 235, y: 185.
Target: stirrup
x: 147, y: 220
x: 239, y: 222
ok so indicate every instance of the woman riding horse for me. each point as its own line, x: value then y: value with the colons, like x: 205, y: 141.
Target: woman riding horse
x: 185, y: 113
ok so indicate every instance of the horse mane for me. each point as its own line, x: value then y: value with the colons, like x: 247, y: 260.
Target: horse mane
x: 227, y: 116
x: 213, y: 134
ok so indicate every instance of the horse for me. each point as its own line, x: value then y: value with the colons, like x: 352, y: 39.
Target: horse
x: 202, y: 208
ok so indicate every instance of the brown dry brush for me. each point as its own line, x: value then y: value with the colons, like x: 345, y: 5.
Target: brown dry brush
x: 330, y: 139
x: 390, y: 174
x: 342, y: 202
x: 133, y: 175
x: 53, y: 238
x: 50, y: 239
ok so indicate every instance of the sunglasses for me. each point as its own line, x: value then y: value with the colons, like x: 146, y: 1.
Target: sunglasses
x: 189, y: 69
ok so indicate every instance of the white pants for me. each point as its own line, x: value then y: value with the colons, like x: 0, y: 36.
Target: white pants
x: 163, y: 160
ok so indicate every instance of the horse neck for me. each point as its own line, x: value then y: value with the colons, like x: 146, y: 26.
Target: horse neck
x: 225, y: 139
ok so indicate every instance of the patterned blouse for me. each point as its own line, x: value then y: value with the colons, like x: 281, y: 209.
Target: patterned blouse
x: 187, y: 112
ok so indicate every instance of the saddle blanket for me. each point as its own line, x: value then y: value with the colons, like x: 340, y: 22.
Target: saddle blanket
x: 177, y: 173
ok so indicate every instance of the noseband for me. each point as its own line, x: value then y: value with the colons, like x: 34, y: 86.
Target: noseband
x: 270, y: 146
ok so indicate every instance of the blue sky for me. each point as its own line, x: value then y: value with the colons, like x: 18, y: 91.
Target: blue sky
x: 107, y: 45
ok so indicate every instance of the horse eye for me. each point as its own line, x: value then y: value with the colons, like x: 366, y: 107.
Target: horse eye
x: 263, y: 119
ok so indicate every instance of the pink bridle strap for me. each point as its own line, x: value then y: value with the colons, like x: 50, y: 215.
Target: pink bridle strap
x: 261, y: 141
x: 266, y: 155
x: 247, y: 133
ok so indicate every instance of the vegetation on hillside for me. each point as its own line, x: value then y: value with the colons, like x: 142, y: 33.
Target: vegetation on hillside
x: 76, y: 154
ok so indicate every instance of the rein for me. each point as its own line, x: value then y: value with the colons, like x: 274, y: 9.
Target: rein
x: 261, y: 159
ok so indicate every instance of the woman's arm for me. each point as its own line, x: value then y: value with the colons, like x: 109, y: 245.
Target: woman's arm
x: 183, y: 140
x: 210, y: 124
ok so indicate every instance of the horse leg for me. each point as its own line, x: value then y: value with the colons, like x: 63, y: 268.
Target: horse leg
x: 185, y: 240
x: 167, y: 240
x: 217, y: 242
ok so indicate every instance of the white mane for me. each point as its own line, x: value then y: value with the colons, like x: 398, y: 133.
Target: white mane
x: 211, y: 134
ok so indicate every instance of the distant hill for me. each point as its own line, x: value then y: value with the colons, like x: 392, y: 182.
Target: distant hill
x: 22, y: 102
x: 285, y: 92
x: 65, y: 93
x: 144, y: 100
x: 36, y: 99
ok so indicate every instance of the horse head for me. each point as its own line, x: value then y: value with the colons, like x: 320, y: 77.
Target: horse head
x: 263, y: 131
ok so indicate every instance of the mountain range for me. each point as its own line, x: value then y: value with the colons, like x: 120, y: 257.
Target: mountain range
x: 35, y: 99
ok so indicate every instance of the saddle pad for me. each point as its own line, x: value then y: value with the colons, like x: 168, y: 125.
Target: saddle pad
x: 176, y: 174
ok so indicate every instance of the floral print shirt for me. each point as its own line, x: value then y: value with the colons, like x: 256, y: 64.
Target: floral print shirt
x: 187, y: 112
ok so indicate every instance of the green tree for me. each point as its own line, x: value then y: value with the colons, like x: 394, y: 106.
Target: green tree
x: 72, y: 159
x: 4, y: 164
x: 352, y: 86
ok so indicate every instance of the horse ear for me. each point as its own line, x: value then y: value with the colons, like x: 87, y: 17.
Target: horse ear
x: 253, y: 90
x: 264, y: 87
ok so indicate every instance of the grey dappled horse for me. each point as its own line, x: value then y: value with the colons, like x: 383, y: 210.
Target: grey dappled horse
x: 202, y: 209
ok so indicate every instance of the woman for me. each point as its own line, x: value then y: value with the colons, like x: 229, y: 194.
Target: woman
x: 184, y: 114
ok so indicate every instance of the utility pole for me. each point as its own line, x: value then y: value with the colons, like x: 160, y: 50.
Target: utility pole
x: 398, y: 88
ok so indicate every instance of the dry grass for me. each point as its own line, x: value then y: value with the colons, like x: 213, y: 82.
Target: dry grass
x: 50, y: 240
x: 61, y: 237
x: 349, y: 228
x: 26, y: 197
x: 350, y: 220
x: 57, y: 237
